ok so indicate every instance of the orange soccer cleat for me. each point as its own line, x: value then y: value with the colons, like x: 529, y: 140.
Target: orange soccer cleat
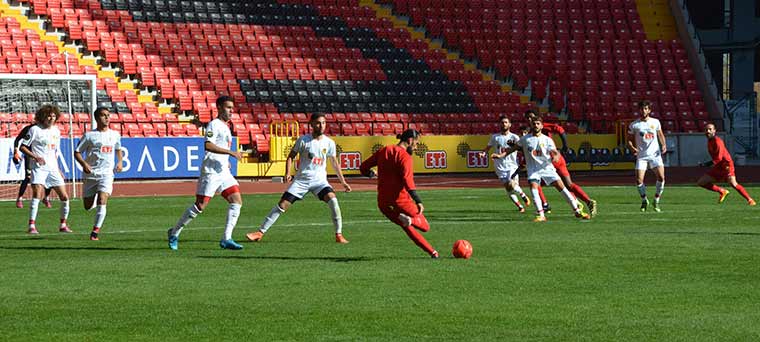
x: 340, y: 239
x: 723, y: 195
x: 540, y: 219
x: 255, y: 236
x: 751, y: 203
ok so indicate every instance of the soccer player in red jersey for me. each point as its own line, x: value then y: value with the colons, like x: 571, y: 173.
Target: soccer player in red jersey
x: 722, y: 168
x: 397, y: 197
x: 561, y: 165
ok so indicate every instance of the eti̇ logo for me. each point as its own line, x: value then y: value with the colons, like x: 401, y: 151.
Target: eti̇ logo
x: 435, y: 160
x: 350, y: 160
x: 476, y: 161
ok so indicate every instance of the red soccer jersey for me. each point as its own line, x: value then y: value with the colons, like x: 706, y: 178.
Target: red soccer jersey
x: 718, y: 151
x: 395, y: 173
x: 552, y: 128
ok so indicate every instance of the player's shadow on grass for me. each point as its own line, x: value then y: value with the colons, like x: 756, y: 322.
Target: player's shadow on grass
x: 259, y: 257
x: 73, y: 248
x: 701, y: 233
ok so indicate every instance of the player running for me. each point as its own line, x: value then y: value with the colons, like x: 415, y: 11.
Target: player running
x: 41, y: 144
x: 315, y: 150
x: 561, y: 165
x: 540, y: 155
x: 27, y: 170
x: 646, y: 140
x: 396, y: 193
x: 215, y: 177
x: 506, y: 167
x: 722, y: 168
x: 99, y: 146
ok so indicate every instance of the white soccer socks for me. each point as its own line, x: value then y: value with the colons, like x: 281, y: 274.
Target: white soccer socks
x: 233, y: 212
x: 271, y: 218
x: 336, y: 216
x: 190, y: 213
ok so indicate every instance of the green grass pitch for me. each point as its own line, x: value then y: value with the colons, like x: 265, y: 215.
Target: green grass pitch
x: 688, y: 273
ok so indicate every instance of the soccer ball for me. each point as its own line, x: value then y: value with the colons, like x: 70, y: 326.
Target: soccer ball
x: 462, y: 249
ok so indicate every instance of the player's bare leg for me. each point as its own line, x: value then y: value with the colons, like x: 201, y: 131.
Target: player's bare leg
x: 269, y: 220
x: 659, y: 187
x: 100, y: 214
x: 332, y: 203
x: 642, y: 188
x: 579, y: 194
x: 571, y: 200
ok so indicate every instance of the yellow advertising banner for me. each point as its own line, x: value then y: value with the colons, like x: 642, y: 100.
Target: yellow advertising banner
x: 435, y: 153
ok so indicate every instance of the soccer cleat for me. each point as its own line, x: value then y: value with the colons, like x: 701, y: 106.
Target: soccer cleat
x: 173, y: 240
x: 751, y: 203
x: 255, y: 236
x: 656, y: 206
x: 340, y: 239
x: 435, y: 255
x: 526, y: 199
x: 583, y: 216
x: 723, y: 195
x: 592, y: 207
x: 520, y: 209
x: 230, y: 244
x: 32, y: 231
x: 19, y: 203
x: 65, y: 229
x: 94, y: 235
x: 46, y: 202
x: 644, y: 205
x: 547, y: 208
x: 539, y: 219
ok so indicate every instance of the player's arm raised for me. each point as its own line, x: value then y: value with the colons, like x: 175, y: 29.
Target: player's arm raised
x: 339, y: 173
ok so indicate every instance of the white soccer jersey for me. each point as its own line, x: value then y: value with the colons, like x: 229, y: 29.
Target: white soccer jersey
x: 536, y: 150
x: 100, y: 148
x: 500, y: 142
x: 218, y: 133
x: 314, y: 154
x: 44, y: 142
x: 645, y: 134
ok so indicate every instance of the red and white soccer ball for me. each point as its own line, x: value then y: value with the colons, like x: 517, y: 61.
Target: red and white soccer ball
x: 462, y: 249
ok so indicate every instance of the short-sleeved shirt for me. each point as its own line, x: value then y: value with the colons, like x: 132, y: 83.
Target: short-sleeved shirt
x: 313, y: 154
x: 645, y: 136
x: 536, y: 150
x: 218, y: 133
x: 44, y: 142
x: 100, y: 148
x: 500, y: 142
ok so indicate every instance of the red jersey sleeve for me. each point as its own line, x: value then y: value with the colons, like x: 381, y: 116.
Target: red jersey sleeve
x: 552, y: 128
x: 407, y: 171
x: 368, y: 164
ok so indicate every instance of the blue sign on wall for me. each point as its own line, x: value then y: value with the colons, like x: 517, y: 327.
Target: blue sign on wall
x: 152, y: 158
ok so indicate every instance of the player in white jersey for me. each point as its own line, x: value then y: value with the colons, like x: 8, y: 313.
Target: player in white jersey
x: 215, y: 178
x: 540, y: 152
x: 314, y: 150
x: 98, y: 168
x: 41, y: 144
x: 646, y: 140
x: 506, y: 167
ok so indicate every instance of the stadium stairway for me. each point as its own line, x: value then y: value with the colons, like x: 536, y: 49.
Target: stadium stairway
x: 419, y: 33
x: 657, y: 19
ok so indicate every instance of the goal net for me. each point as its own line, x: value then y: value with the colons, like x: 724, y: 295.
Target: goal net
x: 20, y: 97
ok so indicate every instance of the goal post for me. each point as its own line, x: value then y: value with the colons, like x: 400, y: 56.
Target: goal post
x: 20, y: 97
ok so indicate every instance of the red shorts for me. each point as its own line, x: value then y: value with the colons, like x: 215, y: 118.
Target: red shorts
x: 561, y: 167
x: 722, y: 171
x: 409, y: 208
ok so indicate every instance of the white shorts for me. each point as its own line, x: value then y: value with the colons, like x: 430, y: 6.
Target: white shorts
x: 46, y: 177
x: 299, y: 188
x: 651, y: 162
x: 93, y: 186
x: 548, y: 176
x: 213, y: 183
